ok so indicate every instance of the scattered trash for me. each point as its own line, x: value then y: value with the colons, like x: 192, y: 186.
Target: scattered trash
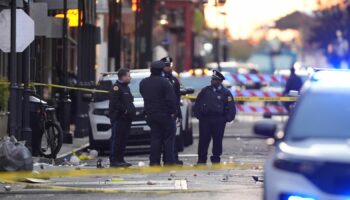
x: 14, y: 155
x: 34, y: 180
x: 195, y: 175
x: 151, y: 183
x: 93, y: 153
x: 84, y: 156
x: 224, y: 163
x: 74, y: 160
x: 142, y: 164
x: 7, y: 188
x: 169, y: 179
x: 172, y: 173
x: 238, y: 138
x: 226, y: 178
x: 230, y: 160
x: 99, y: 163
x: 257, y: 179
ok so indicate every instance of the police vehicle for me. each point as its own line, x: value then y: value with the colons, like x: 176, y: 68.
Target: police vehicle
x: 310, y: 158
x: 139, y: 138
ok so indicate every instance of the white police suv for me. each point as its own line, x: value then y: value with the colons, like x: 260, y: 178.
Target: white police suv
x: 139, y: 138
x: 310, y: 160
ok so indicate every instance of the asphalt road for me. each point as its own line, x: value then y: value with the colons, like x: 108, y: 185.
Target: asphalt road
x: 241, y: 147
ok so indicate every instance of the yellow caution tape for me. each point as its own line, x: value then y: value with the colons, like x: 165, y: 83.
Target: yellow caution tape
x: 13, y: 177
x: 108, y: 190
x: 69, y: 88
x: 107, y: 171
x: 240, y: 98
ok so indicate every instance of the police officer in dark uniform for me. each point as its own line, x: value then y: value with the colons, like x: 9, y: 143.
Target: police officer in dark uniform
x: 176, y: 86
x: 294, y: 83
x: 214, y: 107
x: 161, y: 110
x: 121, y: 112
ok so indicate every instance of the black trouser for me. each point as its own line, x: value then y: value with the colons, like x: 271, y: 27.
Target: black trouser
x: 211, y: 128
x: 162, y: 135
x: 119, y: 139
x: 176, y: 152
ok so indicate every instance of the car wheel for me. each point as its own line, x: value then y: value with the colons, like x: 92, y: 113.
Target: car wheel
x: 188, y: 133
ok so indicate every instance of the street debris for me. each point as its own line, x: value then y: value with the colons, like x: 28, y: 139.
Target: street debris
x: 99, y: 163
x: 74, y: 160
x: 7, y: 188
x: 230, y: 160
x: 14, y: 155
x: 141, y: 164
x: 257, y: 179
x: 35, y: 180
x: 93, y: 154
x: 151, y: 183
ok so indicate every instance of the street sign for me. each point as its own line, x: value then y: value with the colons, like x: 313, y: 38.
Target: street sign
x: 24, y: 30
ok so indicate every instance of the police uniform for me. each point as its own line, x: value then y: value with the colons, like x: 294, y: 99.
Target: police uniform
x: 214, y: 107
x: 121, y: 112
x: 160, y: 109
x: 175, y: 83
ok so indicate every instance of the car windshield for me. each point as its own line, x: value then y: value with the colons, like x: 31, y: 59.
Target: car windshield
x: 134, y: 87
x: 321, y: 115
x: 195, y: 82
x: 107, y: 85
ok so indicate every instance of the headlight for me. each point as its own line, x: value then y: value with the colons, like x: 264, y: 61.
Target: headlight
x: 297, y: 166
x: 101, y: 112
x: 296, y: 197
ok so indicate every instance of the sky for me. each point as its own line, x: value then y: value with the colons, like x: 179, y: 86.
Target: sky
x: 243, y: 17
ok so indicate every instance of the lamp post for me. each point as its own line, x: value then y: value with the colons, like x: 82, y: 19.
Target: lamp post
x: 13, y: 74
x: 65, y: 101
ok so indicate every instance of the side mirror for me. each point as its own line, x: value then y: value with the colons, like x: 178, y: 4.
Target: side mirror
x: 266, y: 127
x: 87, y: 97
x: 184, y: 91
x: 189, y: 90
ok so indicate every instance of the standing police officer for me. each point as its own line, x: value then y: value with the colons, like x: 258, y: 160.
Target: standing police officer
x: 176, y: 86
x: 160, y: 110
x: 121, y: 112
x: 214, y: 107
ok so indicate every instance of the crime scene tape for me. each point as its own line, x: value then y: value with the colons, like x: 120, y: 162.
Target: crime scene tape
x: 108, y: 190
x: 107, y: 171
x: 236, y: 98
x: 240, y: 98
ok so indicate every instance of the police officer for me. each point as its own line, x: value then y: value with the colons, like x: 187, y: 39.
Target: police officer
x: 214, y: 107
x: 294, y: 83
x: 121, y: 112
x: 176, y: 86
x: 161, y: 110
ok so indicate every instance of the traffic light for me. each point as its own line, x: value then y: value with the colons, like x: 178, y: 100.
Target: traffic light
x: 135, y: 6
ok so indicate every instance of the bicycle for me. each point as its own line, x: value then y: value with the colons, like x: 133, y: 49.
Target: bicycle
x: 50, y: 132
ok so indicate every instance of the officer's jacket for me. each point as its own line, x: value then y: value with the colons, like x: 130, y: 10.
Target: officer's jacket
x: 212, y: 102
x: 158, y: 95
x: 121, y: 104
x: 294, y: 83
x: 176, y: 85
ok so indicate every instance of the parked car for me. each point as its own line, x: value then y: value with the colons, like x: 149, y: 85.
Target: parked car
x: 310, y: 159
x: 139, y: 139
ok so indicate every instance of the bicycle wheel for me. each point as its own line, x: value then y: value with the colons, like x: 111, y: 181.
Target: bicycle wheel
x: 51, y: 140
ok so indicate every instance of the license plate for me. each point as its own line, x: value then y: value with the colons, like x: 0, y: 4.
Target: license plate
x: 136, y: 131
